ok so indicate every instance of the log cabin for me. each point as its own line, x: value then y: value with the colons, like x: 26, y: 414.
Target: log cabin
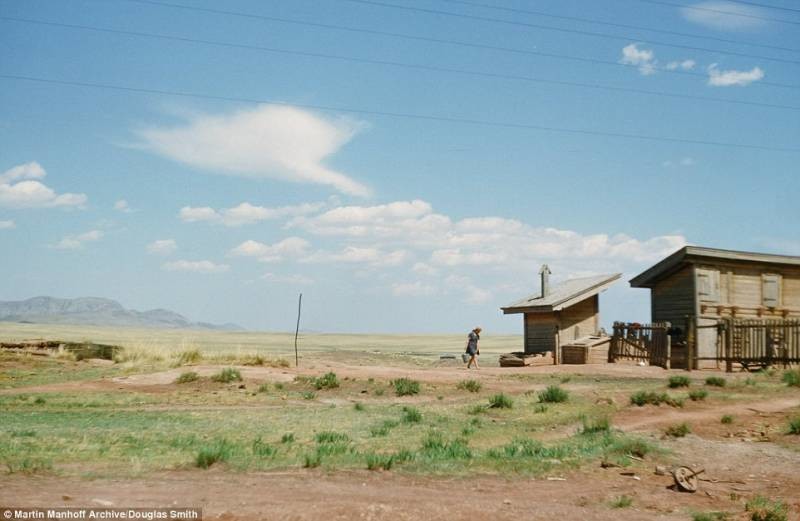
x: 561, y: 314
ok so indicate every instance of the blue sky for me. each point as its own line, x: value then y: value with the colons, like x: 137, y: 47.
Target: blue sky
x: 387, y: 220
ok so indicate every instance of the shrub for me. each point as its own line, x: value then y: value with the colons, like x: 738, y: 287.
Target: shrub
x: 379, y: 461
x: 594, y: 426
x: 220, y: 450
x: 678, y: 431
x: 794, y: 426
x: 698, y: 395
x: 405, y: 386
x: 764, y: 509
x: 411, y: 415
x: 264, y: 388
x: 500, y: 401
x: 642, y: 398
x: 553, y: 394
x: 312, y: 460
x: 678, y: 381
x: 308, y: 395
x: 358, y: 406
x: 39, y: 401
x: 188, y: 356
x: 472, y: 386
x: 331, y: 437
x: 630, y: 446
x: 792, y: 377
x: 254, y: 360
x: 326, y: 381
x: 262, y: 449
x: 227, y: 375
x: 187, y: 377
x: 287, y: 438
x: 621, y: 502
x: 716, y: 381
x: 540, y: 408
x: 726, y: 419
x: 279, y: 386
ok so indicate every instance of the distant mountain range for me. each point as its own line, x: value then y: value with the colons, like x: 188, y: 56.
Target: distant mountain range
x: 93, y: 311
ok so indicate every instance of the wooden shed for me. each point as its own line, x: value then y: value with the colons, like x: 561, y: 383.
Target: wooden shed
x: 696, y: 287
x: 560, y: 315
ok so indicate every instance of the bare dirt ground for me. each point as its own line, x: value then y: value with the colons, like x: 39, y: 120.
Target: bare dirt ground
x: 751, y: 456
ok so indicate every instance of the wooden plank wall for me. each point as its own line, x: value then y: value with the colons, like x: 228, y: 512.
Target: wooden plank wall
x: 540, y: 332
x: 579, y: 320
x: 673, y: 298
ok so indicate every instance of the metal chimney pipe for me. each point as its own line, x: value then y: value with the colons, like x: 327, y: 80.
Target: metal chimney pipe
x: 544, y: 274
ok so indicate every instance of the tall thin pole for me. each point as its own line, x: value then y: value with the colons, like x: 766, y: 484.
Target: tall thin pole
x: 297, y: 330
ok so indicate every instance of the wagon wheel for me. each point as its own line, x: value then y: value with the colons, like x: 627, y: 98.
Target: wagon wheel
x: 685, y: 479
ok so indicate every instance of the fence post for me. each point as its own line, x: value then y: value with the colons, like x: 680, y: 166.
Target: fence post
x: 690, y: 332
x: 729, y: 345
x: 668, y: 361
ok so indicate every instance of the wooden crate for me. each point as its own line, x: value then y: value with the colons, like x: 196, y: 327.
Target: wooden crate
x: 586, y: 350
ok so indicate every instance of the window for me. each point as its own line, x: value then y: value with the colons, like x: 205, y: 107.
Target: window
x: 707, y: 285
x: 771, y: 290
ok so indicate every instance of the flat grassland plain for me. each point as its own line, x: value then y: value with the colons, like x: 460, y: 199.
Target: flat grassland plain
x: 380, y: 427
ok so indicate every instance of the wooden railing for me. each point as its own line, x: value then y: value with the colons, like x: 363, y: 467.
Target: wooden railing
x: 649, y: 343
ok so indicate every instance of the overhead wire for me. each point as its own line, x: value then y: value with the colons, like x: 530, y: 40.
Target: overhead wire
x: 390, y: 63
x: 403, y: 115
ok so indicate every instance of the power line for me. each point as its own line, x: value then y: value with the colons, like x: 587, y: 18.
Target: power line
x: 756, y: 4
x: 564, y: 30
x: 426, y: 39
x: 719, y: 11
x: 429, y: 68
x: 404, y: 115
x: 615, y: 24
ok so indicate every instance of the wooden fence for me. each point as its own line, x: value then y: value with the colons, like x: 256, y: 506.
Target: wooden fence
x: 649, y: 343
x: 749, y: 343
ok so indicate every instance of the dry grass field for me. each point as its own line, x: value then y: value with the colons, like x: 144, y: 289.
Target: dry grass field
x: 380, y: 427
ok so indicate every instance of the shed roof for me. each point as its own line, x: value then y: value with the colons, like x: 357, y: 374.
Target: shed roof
x: 563, y: 295
x: 694, y: 254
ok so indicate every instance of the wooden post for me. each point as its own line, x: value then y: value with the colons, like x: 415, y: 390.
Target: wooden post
x: 297, y: 330
x: 690, y: 332
x: 729, y: 346
x: 668, y: 361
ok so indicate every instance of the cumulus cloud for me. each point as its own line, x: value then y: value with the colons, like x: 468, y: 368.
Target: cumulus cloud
x: 370, y: 256
x: 7, y: 225
x: 291, y: 247
x: 729, y: 78
x: 245, y: 213
x: 122, y: 206
x: 644, y: 59
x: 267, y: 141
x: 684, y: 162
x: 162, y: 247
x: 203, y: 266
x: 297, y: 280
x: 76, y: 242
x: 722, y: 15
x: 685, y: 65
x: 20, y: 188
x: 412, y: 289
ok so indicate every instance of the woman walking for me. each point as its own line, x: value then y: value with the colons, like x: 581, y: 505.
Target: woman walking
x: 472, y: 347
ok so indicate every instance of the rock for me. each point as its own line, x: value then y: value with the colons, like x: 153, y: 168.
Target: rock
x: 65, y: 497
x: 506, y: 501
x: 661, y: 470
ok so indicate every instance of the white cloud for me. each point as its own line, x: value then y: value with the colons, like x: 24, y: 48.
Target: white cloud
x: 684, y: 162
x: 203, y: 266
x: 412, y: 289
x: 7, y: 225
x: 471, y: 294
x: 685, y: 65
x: 291, y: 247
x: 245, y: 213
x: 122, y: 206
x: 719, y: 78
x: 162, y: 247
x: 369, y: 256
x: 19, y: 189
x: 267, y: 141
x: 299, y: 280
x: 76, y: 242
x: 722, y: 15
x: 421, y: 268
x: 644, y: 59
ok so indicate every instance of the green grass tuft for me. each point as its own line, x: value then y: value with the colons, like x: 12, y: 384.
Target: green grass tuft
x: 711, y: 516
x: 227, y: 375
x: 379, y: 461
x: 726, y: 419
x: 411, y: 415
x: 794, y: 426
x: 678, y: 431
x: 621, y: 502
x: 383, y: 429
x: 472, y: 386
x: 331, y: 437
x: 187, y: 377
x: 263, y: 388
x: 326, y: 381
x: 500, y: 401
x: 642, y: 398
x: 553, y: 394
x: 698, y: 395
x: 678, y: 381
x: 358, y: 406
x: 262, y: 449
x: 602, y: 424
x: 405, y: 386
x: 220, y: 450
x: 435, y: 447
x: 188, y: 356
x: 792, y: 377
x: 761, y: 508
x: 287, y: 438
x: 312, y: 460
x: 308, y: 395
x: 716, y: 381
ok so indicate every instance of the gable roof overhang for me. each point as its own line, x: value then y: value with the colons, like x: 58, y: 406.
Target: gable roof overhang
x: 564, y: 295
